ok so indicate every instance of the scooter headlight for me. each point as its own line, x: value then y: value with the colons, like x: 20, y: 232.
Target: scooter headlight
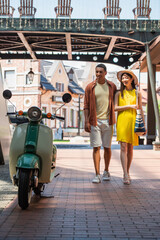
x: 34, y: 114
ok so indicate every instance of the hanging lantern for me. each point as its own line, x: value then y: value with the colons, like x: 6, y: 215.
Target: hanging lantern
x: 31, y: 75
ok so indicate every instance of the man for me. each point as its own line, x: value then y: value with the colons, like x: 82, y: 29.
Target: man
x: 99, y: 119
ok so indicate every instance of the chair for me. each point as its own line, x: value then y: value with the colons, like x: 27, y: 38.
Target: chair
x: 26, y: 8
x: 5, y: 9
x: 63, y: 9
x: 112, y: 9
x: 142, y: 10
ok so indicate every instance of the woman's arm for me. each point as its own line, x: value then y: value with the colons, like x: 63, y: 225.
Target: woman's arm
x: 122, y: 108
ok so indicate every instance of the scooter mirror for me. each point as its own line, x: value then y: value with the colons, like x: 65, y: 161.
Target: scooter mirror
x: 7, y: 94
x: 67, y: 97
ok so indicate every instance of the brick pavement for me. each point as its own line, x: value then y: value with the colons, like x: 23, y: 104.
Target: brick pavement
x: 72, y: 208
x: 7, y: 190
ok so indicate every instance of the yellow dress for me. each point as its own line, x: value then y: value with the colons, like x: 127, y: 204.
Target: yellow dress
x: 126, y: 119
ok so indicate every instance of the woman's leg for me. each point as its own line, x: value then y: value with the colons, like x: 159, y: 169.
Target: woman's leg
x: 129, y: 156
x: 123, y: 156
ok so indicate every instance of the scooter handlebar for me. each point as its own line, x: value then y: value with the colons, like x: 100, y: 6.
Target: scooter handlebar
x: 11, y: 113
x: 53, y: 116
x: 58, y: 117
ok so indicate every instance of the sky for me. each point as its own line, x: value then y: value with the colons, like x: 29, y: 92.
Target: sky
x: 87, y: 8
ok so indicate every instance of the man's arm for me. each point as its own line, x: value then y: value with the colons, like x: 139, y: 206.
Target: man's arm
x: 87, y: 124
x: 86, y: 111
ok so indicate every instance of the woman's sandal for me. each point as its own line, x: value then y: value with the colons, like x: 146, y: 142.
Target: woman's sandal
x: 126, y: 180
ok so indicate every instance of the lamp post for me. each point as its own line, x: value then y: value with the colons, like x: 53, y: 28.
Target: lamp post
x: 31, y: 75
x: 79, y: 115
x: 139, y: 75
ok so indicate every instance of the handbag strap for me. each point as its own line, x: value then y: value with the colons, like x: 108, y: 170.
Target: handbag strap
x: 136, y: 97
x: 138, y: 110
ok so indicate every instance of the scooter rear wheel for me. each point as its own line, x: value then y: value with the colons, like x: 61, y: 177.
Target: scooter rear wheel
x: 24, y: 188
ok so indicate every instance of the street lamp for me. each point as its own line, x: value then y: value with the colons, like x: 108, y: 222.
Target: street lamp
x: 30, y: 75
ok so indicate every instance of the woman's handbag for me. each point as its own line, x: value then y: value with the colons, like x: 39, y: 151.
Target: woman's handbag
x: 139, y: 124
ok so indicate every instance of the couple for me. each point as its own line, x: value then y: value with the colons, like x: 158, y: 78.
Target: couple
x: 100, y: 103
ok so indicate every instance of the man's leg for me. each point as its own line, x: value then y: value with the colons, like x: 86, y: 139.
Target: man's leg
x: 107, y: 158
x: 107, y: 133
x: 96, y: 159
x: 95, y: 142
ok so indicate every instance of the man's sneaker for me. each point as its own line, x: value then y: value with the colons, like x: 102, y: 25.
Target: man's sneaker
x: 97, y: 179
x: 106, y: 176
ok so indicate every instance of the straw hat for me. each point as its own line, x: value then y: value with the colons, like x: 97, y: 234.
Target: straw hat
x: 119, y: 75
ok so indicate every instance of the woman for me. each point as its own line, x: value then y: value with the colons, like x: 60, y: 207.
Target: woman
x: 125, y: 105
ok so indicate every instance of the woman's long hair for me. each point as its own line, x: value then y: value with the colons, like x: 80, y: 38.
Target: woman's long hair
x: 122, y: 85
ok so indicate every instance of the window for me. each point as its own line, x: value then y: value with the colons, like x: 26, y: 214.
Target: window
x: 70, y: 75
x: 11, y: 108
x: 44, y: 110
x: 10, y: 78
x: 60, y: 71
x: 53, y: 122
x: 60, y: 87
x: 27, y: 102
x: 64, y: 114
x: 72, y: 118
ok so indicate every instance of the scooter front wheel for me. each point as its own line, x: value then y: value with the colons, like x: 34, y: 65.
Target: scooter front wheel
x: 24, y: 188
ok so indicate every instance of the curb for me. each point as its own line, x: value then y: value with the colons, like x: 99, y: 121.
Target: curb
x: 8, y: 210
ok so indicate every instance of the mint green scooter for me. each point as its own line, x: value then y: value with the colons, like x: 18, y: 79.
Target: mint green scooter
x: 32, y: 157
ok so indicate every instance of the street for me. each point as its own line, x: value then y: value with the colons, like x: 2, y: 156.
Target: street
x: 72, y: 207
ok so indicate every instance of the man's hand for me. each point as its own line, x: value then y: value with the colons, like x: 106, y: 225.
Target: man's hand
x: 87, y: 127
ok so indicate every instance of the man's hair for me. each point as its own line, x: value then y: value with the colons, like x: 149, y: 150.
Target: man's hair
x: 100, y: 65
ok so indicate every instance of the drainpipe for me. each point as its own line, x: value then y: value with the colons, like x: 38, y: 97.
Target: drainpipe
x: 153, y: 90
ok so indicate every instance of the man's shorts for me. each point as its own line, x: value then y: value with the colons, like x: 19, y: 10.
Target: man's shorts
x: 101, y: 135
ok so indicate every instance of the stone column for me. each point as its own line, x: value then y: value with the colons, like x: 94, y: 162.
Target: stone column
x: 151, y: 120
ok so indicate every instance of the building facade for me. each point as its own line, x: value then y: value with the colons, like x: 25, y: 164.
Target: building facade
x: 51, y: 81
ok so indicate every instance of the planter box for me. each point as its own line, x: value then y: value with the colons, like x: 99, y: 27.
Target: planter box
x: 156, y: 146
x: 71, y: 130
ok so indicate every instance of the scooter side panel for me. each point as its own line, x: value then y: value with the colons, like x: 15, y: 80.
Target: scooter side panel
x: 45, y: 151
x: 17, y: 147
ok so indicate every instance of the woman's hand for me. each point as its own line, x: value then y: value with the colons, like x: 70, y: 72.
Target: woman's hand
x: 125, y: 107
x: 133, y: 106
x: 145, y: 132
